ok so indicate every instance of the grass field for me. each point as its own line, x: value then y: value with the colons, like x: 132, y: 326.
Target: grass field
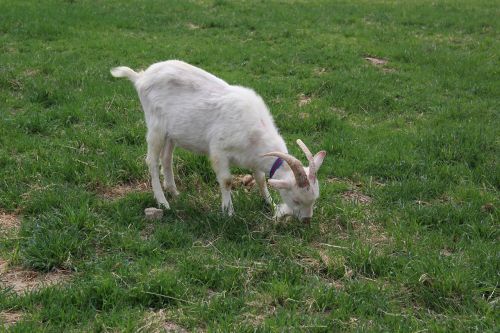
x: 405, y: 236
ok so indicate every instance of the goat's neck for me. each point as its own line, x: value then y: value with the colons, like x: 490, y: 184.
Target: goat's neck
x: 283, y: 172
x: 266, y: 163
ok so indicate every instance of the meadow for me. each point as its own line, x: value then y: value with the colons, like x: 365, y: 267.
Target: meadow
x: 403, y: 95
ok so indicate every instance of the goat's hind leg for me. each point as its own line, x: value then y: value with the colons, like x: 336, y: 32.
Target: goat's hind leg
x: 156, y: 142
x: 166, y: 157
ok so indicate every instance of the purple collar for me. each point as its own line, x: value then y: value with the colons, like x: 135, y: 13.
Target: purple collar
x: 275, y: 167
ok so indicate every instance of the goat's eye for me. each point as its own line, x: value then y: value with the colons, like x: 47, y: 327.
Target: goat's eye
x: 296, y: 202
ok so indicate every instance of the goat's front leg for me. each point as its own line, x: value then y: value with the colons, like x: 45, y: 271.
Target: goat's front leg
x: 260, y: 179
x: 220, y: 165
x: 166, y: 157
x: 155, y: 144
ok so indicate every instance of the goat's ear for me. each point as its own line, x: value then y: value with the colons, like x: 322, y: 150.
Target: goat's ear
x: 318, y: 159
x: 279, y: 184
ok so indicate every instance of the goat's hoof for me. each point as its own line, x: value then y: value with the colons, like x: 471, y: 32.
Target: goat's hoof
x: 164, y: 205
x: 171, y: 189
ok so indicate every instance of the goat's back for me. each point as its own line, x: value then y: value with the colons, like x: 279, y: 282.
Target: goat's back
x: 198, y: 110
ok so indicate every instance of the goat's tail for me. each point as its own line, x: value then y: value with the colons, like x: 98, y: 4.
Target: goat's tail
x: 123, y: 71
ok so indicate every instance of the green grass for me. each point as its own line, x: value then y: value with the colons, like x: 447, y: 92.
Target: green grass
x: 418, y: 135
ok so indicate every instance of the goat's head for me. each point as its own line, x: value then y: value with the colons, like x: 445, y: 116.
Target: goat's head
x: 299, y: 191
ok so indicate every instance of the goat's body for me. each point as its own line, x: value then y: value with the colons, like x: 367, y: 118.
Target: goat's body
x: 188, y: 107
x: 201, y: 112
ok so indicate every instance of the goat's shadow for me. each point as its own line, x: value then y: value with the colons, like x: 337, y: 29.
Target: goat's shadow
x: 253, y: 218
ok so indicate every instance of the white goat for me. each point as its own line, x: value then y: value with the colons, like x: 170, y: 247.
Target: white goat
x: 188, y: 107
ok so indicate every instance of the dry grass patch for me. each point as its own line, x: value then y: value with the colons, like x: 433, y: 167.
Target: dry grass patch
x: 374, y: 234
x: 333, y: 225
x: 310, y: 264
x: 22, y: 280
x: 148, y: 231
x: 157, y: 321
x: 9, y: 222
x: 304, y: 100
x: 356, y: 197
x: 3, y: 266
x: 34, y: 188
x: 351, y: 183
x: 339, y: 111
x: 9, y: 318
x: 262, y: 306
x: 121, y: 190
x: 255, y: 320
x: 31, y: 72
x: 333, y: 260
x: 246, y: 181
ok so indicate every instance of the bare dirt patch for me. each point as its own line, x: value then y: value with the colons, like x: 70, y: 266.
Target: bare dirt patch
x: 379, y: 62
x: 376, y: 61
x: 9, y: 318
x: 22, y: 280
x: 192, y: 26
x: 121, y: 190
x: 320, y: 71
x: 9, y: 222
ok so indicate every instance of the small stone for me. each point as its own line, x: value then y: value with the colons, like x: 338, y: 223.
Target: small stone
x: 153, y: 213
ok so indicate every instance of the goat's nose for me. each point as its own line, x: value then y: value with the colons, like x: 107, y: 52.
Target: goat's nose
x: 306, y: 220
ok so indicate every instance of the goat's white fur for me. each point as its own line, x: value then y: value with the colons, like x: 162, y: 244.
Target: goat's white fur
x: 186, y: 106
